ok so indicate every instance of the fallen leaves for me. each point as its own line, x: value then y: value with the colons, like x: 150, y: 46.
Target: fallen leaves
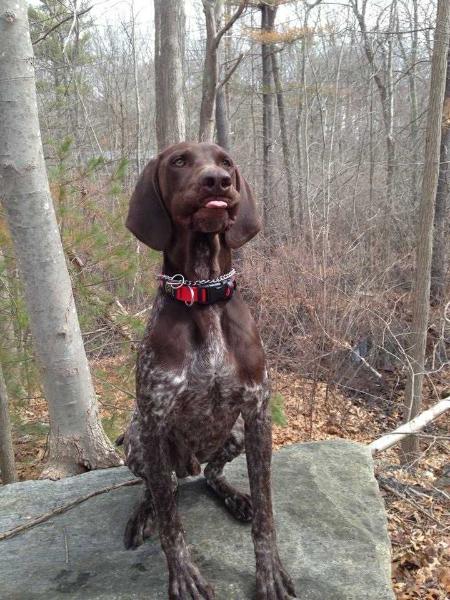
x: 418, y: 513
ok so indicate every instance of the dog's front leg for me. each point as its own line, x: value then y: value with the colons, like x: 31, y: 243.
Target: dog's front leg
x: 272, y: 581
x: 185, y: 580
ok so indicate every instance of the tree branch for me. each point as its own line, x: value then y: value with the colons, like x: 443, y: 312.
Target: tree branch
x: 228, y: 76
x: 68, y: 18
x: 230, y: 23
x: 413, y: 426
x: 6, y: 535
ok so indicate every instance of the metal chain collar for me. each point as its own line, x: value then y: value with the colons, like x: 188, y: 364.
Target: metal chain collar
x: 178, y: 280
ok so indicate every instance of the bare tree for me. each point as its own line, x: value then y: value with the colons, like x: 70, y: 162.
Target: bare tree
x: 421, y: 294
x: 268, y: 14
x: 169, y: 35
x: 226, y: 70
x: 212, y: 10
x: 439, y: 261
x: 132, y: 39
x: 410, y: 58
x: 77, y: 441
x: 384, y: 81
x: 284, y: 141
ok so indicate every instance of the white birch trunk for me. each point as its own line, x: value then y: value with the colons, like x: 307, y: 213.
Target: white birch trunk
x: 414, y: 426
x: 77, y: 441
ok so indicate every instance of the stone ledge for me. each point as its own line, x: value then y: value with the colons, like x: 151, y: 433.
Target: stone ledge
x: 330, y: 521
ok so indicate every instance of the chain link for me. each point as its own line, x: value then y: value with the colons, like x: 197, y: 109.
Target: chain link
x: 178, y: 280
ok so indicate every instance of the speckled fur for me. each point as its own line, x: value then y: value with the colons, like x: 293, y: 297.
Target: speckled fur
x: 201, y: 386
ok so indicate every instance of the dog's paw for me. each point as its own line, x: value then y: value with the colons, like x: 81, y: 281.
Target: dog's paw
x: 141, y: 525
x: 240, y: 506
x: 272, y: 581
x: 186, y: 583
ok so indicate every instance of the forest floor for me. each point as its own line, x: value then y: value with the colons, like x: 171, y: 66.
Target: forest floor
x: 417, y: 497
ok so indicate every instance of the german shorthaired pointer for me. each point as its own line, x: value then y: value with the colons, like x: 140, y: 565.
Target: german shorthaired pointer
x: 202, y: 385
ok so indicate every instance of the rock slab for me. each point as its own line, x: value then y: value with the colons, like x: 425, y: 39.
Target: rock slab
x: 330, y: 522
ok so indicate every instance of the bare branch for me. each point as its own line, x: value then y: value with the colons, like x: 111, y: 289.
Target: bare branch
x: 52, y: 29
x: 243, y: 5
x: 9, y: 533
x: 228, y: 76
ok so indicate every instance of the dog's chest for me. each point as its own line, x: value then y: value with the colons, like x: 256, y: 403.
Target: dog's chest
x: 204, y: 388
x: 197, y: 402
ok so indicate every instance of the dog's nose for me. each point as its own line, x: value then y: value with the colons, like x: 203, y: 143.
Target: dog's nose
x: 215, y: 181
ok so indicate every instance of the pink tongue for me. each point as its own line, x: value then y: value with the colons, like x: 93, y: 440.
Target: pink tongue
x: 216, y: 204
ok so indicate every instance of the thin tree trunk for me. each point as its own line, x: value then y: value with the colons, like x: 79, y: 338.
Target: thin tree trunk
x: 222, y: 98
x: 7, y: 463
x: 300, y: 133
x: 268, y: 14
x: 385, y: 90
x: 169, y: 98
x: 209, y: 82
x: 222, y: 123
x: 285, y: 143
x: 136, y: 90
x: 440, y: 239
x: 388, y: 111
x: 410, y: 64
x: 213, y: 12
x: 77, y: 442
x: 421, y: 294
x: 412, y: 80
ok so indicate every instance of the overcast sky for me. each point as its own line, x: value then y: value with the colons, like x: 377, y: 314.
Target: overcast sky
x: 335, y: 11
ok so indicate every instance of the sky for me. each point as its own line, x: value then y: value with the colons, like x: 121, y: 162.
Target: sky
x: 110, y: 11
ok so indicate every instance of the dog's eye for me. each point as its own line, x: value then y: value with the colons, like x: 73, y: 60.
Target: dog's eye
x: 226, y: 162
x: 179, y: 161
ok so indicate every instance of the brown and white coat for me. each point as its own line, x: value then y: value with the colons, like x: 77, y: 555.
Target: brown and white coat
x: 202, y: 386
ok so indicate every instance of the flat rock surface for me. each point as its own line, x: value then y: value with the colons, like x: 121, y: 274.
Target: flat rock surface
x: 330, y: 521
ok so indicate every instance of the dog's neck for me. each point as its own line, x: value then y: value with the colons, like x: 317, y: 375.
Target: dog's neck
x: 198, y: 256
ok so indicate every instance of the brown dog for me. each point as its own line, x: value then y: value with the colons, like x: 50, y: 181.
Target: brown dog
x: 202, y: 385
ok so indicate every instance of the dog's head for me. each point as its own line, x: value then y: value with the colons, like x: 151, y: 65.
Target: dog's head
x: 196, y: 187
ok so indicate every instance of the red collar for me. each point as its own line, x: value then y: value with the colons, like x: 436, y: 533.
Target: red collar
x: 205, y: 291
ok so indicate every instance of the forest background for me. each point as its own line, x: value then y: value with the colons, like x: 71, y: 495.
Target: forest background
x: 324, y: 107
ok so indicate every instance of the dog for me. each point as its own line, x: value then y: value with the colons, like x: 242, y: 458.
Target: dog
x: 202, y: 389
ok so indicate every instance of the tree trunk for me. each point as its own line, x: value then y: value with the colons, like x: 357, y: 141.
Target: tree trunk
x: 421, y: 294
x: 222, y: 106
x: 385, y: 88
x: 209, y: 82
x: 77, y: 442
x: 388, y: 111
x: 267, y: 21
x: 440, y: 241
x: 136, y: 90
x: 285, y: 143
x: 169, y: 33
x: 412, y: 82
x: 222, y: 123
x: 213, y: 12
x: 7, y: 464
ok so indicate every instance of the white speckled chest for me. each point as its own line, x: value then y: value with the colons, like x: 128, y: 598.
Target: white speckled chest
x: 198, y: 403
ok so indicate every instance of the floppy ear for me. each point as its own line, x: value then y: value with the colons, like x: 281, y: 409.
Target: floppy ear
x: 148, y: 218
x: 247, y: 222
